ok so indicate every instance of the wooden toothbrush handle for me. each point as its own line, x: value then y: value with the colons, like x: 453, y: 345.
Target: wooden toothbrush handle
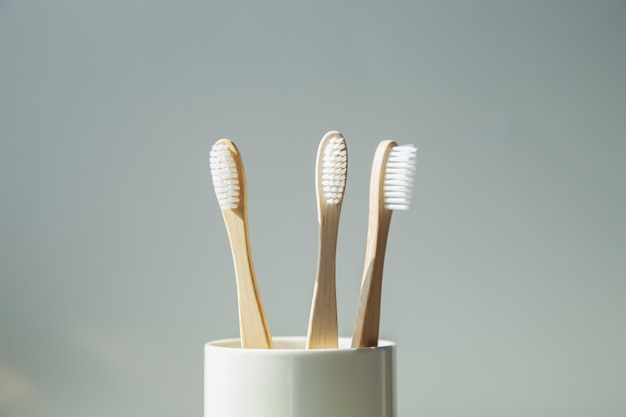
x: 323, y: 329
x: 367, y: 324
x: 253, y: 325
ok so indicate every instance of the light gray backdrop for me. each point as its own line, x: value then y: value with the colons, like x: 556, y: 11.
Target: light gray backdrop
x: 505, y: 284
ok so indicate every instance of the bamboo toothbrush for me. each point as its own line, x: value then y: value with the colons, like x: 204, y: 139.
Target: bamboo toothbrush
x: 229, y: 181
x: 391, y: 184
x: 330, y: 181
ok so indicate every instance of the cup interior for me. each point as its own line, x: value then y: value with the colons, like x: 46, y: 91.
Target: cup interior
x: 295, y: 343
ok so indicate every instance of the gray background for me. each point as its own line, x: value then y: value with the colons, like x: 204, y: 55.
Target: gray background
x: 505, y: 284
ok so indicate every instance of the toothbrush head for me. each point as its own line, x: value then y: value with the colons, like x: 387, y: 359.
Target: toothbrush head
x: 398, y: 177
x: 225, y: 174
x: 334, y: 166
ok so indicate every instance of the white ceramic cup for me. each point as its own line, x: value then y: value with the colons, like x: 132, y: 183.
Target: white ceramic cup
x: 290, y: 381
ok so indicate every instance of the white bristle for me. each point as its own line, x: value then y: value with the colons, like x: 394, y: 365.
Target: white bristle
x: 225, y: 179
x: 334, y: 167
x: 399, y: 172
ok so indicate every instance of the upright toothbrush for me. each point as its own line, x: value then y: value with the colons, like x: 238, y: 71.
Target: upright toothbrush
x: 229, y: 181
x: 391, y: 185
x: 330, y: 181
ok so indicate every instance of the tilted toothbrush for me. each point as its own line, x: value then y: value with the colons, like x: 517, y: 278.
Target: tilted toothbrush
x: 391, y: 184
x: 229, y: 181
x: 330, y: 181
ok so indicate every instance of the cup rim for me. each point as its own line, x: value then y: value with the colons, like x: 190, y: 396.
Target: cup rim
x: 293, y: 344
